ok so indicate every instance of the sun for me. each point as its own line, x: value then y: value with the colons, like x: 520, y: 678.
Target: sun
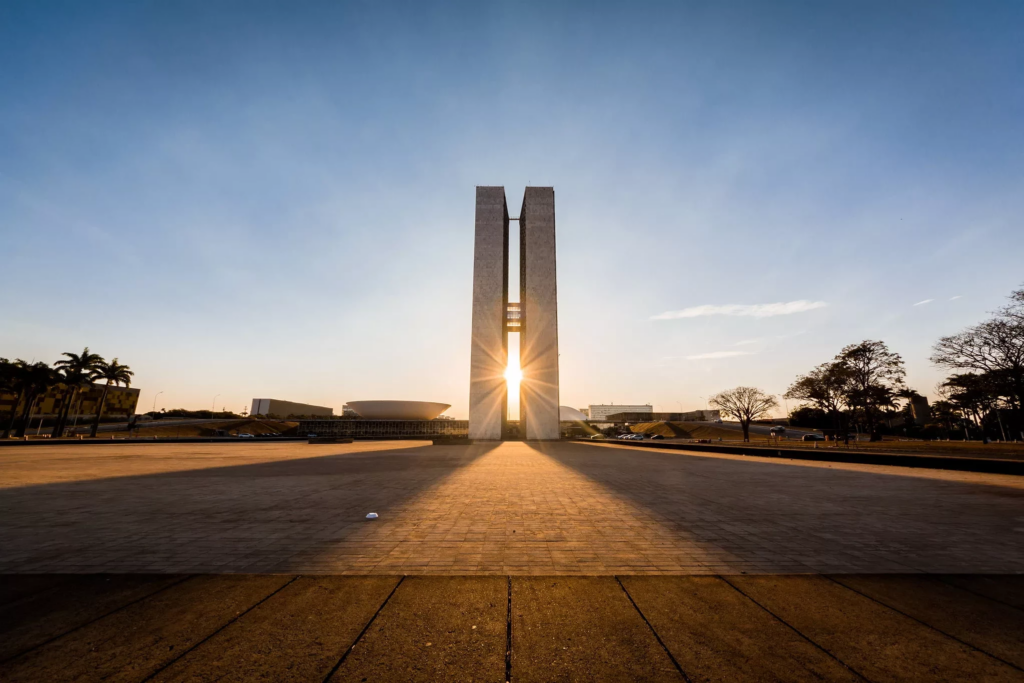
x: 513, y: 375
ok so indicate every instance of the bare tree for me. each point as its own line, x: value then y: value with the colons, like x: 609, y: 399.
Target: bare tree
x: 996, y: 346
x: 745, y: 404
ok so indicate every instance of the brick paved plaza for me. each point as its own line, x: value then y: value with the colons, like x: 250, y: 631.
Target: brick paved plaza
x: 513, y: 508
x: 198, y: 562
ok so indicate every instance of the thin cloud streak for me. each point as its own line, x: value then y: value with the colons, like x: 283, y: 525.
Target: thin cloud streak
x: 954, y: 298
x: 922, y: 303
x: 751, y: 310
x: 719, y: 354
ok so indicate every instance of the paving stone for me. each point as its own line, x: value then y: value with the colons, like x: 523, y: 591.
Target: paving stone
x: 21, y: 586
x: 993, y: 628
x: 717, y: 634
x: 435, y: 629
x: 1008, y: 590
x: 29, y: 623
x: 582, y: 629
x: 298, y: 634
x: 135, y: 642
x: 872, y: 639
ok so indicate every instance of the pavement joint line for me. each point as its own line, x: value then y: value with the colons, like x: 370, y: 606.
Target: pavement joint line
x: 508, y: 634
x: 655, y: 633
x: 923, y: 623
x: 366, y: 628
x: 794, y: 629
x: 93, y: 621
x: 980, y: 595
x: 226, y: 624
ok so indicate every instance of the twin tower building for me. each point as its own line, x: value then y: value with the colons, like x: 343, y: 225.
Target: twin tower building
x: 534, y: 317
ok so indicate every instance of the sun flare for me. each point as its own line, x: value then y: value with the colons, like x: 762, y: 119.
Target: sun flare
x: 513, y: 375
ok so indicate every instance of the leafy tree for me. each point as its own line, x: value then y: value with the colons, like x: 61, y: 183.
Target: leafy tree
x: 826, y: 387
x: 946, y: 414
x: 810, y: 416
x: 995, y: 345
x: 875, y: 375
x: 745, y: 404
x: 116, y: 374
x: 77, y: 372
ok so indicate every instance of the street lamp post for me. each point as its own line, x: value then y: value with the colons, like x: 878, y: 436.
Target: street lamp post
x: 214, y: 405
x: 155, y: 398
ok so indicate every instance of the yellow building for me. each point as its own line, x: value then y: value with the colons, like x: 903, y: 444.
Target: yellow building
x: 120, y: 401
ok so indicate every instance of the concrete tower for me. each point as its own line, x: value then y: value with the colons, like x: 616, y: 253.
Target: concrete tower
x: 535, y: 316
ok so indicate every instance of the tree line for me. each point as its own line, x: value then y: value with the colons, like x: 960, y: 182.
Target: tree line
x: 864, y: 386
x: 71, y: 376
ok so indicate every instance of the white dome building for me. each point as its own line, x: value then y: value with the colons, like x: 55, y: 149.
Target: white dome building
x: 567, y: 414
x: 398, y: 410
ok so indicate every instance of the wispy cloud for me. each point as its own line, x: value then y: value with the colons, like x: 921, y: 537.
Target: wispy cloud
x: 922, y: 303
x: 746, y: 342
x: 752, y: 310
x: 719, y: 354
x: 954, y: 298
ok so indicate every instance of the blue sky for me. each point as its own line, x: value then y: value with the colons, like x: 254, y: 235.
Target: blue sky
x: 276, y: 199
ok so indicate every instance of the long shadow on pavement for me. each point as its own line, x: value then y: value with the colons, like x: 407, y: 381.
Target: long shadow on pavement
x: 750, y: 516
x: 253, y: 517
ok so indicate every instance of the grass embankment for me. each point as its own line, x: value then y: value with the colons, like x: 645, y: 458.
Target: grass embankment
x: 963, y: 449
x: 674, y: 430
x: 232, y: 427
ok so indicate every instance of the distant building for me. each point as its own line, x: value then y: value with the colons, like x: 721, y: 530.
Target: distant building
x: 920, y: 410
x: 120, y: 401
x: 600, y: 413
x: 691, y: 416
x: 585, y: 411
x: 272, y: 407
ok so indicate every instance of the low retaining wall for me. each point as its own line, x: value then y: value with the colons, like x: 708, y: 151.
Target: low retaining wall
x: 934, y: 462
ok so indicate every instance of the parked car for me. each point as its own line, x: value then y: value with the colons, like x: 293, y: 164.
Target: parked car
x: 596, y: 437
x: 812, y: 437
x: 310, y: 436
x: 718, y: 420
x: 777, y: 430
x: 243, y: 435
x: 656, y: 436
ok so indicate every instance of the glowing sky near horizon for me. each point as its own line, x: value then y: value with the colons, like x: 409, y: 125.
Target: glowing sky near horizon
x: 276, y: 199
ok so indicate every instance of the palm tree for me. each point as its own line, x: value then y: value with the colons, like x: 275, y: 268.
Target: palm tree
x: 26, y: 381
x: 114, y: 373
x: 37, y: 378
x: 77, y: 372
x: 8, y: 373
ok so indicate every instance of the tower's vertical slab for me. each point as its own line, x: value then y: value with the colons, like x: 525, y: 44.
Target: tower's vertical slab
x: 489, y: 353
x: 538, y: 349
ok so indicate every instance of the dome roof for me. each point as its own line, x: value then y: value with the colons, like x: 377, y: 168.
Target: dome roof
x: 567, y: 414
x: 398, y: 410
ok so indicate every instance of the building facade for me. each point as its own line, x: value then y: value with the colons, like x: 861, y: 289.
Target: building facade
x: 600, y: 413
x: 272, y: 407
x: 691, y: 416
x: 120, y: 401
x: 534, y: 317
x: 385, y: 429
